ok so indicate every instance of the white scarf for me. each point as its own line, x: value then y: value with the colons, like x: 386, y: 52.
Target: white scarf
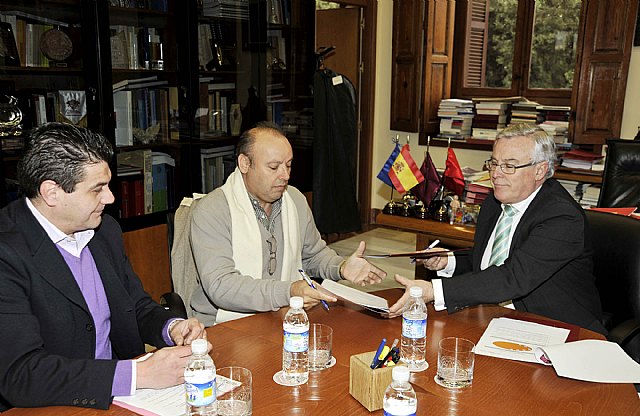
x: 246, y: 237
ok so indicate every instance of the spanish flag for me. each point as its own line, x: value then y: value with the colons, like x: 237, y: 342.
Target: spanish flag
x: 404, y: 172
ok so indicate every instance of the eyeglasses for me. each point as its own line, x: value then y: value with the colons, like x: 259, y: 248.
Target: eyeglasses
x: 506, y: 168
x: 272, y: 255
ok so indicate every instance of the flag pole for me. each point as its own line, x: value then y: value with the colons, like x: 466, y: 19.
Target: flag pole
x: 395, y: 141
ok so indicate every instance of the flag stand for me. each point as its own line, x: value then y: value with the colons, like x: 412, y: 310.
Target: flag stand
x: 392, y: 207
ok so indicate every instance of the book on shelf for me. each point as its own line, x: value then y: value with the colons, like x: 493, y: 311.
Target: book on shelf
x: 162, y: 163
x: 126, y: 82
x: 216, y: 165
x: 122, y: 107
x: 142, y: 159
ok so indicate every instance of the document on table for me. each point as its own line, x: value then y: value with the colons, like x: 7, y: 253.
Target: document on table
x: 588, y: 360
x: 364, y: 299
x: 591, y: 360
x: 517, y: 340
x: 171, y: 401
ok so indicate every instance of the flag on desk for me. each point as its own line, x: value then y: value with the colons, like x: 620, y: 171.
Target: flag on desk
x: 404, y: 173
x: 383, y: 175
x: 425, y: 190
x: 452, y: 176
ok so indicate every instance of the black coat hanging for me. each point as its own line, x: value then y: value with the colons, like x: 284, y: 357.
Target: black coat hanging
x: 335, y: 207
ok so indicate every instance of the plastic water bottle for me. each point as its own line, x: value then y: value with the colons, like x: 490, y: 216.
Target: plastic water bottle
x: 295, y: 348
x: 400, y: 398
x: 200, y: 381
x: 414, y: 331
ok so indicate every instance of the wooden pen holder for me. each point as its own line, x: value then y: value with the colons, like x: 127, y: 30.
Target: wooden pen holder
x: 366, y: 385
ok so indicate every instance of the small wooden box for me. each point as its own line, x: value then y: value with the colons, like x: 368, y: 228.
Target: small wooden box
x: 366, y: 385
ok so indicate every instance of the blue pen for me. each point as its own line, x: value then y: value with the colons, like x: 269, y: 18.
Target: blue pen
x: 307, y: 279
x: 374, y: 363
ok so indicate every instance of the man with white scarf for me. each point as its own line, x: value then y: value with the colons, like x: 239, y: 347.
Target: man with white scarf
x: 250, y: 237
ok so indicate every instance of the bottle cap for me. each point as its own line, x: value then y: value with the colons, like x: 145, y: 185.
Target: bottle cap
x: 296, y: 302
x: 415, y: 291
x: 199, y: 346
x: 400, y: 373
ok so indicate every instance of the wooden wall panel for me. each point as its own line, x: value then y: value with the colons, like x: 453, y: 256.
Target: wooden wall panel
x: 148, y: 252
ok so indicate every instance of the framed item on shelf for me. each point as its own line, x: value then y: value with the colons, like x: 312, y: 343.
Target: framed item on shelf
x: 56, y: 45
x: 8, y: 50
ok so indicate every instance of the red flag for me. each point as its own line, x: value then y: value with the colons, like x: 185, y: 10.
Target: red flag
x: 425, y: 190
x: 453, y: 178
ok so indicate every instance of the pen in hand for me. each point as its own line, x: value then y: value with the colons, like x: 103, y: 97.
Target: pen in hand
x: 307, y: 279
x: 432, y: 245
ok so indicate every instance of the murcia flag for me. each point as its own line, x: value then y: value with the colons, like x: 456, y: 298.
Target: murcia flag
x: 404, y: 172
x: 425, y: 190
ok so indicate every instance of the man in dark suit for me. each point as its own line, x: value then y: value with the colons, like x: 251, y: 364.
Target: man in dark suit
x: 73, y: 314
x: 531, y: 246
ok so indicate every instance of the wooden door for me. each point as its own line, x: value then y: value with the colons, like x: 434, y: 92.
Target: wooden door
x: 340, y: 28
x: 603, y: 58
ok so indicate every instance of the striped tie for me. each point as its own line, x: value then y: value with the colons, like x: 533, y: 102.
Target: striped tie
x: 500, y: 249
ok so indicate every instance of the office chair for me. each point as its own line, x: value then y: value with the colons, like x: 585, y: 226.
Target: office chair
x: 621, y: 177
x: 616, y: 259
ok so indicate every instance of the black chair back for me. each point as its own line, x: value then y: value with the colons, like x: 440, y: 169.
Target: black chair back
x: 621, y: 177
x: 616, y: 259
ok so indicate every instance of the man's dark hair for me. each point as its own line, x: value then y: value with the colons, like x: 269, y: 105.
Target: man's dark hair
x: 248, y: 137
x: 60, y: 152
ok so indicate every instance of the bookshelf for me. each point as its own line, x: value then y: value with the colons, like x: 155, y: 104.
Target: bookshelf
x: 171, y: 84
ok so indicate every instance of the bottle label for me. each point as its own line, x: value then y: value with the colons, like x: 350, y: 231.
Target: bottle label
x: 414, y: 328
x: 201, y: 394
x: 398, y: 414
x: 296, y: 341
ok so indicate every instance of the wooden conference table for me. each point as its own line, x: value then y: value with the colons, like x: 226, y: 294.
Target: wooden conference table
x: 500, y: 387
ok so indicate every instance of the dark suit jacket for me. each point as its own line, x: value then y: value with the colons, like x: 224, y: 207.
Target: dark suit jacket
x: 549, y: 270
x: 47, y: 335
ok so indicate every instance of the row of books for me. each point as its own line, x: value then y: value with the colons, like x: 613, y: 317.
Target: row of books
x: 580, y: 159
x: 216, y: 46
x: 24, y: 32
x: 218, y: 113
x: 145, y: 115
x: 159, y: 5
x: 39, y: 107
x: 231, y: 9
x: 585, y: 194
x: 135, y: 47
x: 216, y: 164
x: 146, y: 182
x: 483, y: 119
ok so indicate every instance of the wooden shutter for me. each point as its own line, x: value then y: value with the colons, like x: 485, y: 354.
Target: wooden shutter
x: 604, y: 52
x: 406, y: 72
x: 438, y: 54
x: 476, y: 43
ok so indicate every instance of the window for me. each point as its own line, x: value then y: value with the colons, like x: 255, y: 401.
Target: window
x: 511, y: 47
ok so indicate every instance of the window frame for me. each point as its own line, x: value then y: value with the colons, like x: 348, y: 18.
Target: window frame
x: 521, y: 59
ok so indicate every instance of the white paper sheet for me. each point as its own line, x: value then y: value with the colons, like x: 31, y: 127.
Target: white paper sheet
x: 171, y: 401
x: 517, y: 340
x: 367, y: 300
x: 593, y: 360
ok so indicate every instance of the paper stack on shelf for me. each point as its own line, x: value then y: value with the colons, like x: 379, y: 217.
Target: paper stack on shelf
x: 456, y: 117
x: 580, y: 159
x: 491, y: 117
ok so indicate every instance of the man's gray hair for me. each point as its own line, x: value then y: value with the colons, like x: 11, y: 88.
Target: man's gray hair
x: 544, y: 149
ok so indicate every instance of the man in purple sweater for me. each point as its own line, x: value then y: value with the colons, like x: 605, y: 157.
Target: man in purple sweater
x: 73, y: 314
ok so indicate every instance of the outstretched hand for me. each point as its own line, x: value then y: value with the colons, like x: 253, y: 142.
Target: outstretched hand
x: 427, y: 294
x: 358, y: 270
